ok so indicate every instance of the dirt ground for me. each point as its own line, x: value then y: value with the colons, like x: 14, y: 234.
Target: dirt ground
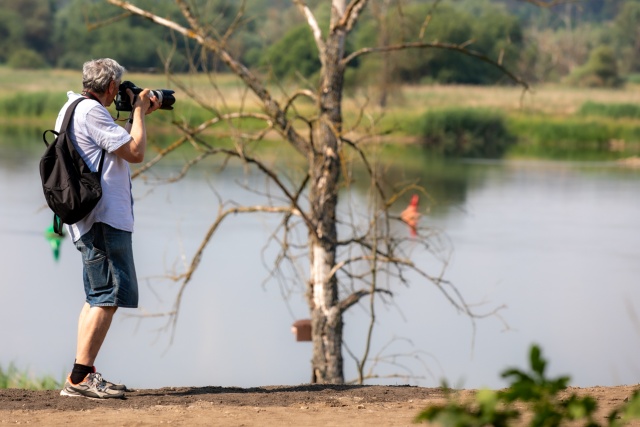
x: 304, y: 405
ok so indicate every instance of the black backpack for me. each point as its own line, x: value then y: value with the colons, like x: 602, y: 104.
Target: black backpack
x: 72, y: 190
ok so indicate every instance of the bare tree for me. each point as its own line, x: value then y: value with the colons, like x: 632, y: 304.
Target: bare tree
x: 342, y: 270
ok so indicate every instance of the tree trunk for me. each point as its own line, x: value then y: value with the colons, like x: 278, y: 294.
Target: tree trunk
x: 326, y: 315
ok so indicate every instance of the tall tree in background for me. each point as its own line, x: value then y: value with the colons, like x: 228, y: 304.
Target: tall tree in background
x: 627, y: 33
x: 25, y: 29
x: 343, y: 270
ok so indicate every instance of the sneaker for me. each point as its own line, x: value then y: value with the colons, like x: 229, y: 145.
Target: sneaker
x: 113, y: 386
x: 93, y: 386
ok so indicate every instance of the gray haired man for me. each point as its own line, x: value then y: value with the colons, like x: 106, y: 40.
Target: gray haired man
x: 104, y: 236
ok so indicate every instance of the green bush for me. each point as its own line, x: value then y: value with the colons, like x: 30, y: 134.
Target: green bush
x: 475, y: 133
x: 26, y: 59
x: 601, y: 70
x: 295, y: 54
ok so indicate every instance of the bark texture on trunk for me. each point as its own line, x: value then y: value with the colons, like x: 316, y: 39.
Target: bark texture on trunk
x: 324, y: 165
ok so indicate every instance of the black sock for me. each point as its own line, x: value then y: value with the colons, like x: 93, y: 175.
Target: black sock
x: 79, y: 372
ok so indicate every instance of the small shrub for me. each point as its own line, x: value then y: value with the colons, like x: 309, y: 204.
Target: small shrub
x: 26, y: 59
x: 539, y: 395
x: 472, y: 133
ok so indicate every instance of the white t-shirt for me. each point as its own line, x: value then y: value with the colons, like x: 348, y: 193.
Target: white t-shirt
x: 91, y: 130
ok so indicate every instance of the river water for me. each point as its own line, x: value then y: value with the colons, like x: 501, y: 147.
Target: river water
x: 556, y: 243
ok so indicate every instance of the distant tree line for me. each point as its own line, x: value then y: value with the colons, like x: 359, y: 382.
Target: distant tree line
x: 589, y: 42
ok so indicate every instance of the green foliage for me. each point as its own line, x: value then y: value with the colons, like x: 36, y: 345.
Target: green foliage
x: 616, y: 111
x: 32, y: 104
x: 486, y: 411
x: 11, y: 33
x: 295, y: 53
x: 14, y: 378
x: 135, y: 42
x: 601, y: 70
x: 626, y: 33
x: 26, y: 59
x: 35, y: 18
x: 476, y: 133
x: 558, y: 39
x: 538, y: 394
x: 487, y: 28
x: 580, y: 137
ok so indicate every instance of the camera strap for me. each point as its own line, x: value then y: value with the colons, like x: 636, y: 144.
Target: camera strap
x: 89, y: 95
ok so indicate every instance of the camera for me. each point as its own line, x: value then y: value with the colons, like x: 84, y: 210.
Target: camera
x: 123, y: 102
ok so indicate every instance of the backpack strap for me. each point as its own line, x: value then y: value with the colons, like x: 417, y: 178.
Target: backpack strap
x: 67, y: 119
x: 104, y: 153
x: 65, y: 122
x: 57, y: 225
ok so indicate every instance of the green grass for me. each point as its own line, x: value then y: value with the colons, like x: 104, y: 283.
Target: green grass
x: 32, y: 104
x: 12, y: 377
x: 548, y: 122
x: 575, y: 137
x: 614, y: 111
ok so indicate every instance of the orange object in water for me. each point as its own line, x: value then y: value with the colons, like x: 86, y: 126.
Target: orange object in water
x: 411, y: 215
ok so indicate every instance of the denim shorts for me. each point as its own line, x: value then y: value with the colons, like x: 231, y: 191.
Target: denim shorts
x: 108, y: 270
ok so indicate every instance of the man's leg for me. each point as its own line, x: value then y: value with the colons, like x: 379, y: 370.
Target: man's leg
x: 93, y: 325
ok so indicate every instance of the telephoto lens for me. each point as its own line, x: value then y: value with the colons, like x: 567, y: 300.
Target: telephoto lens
x: 123, y: 103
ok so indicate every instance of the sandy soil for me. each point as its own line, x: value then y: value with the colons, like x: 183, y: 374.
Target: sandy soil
x: 304, y: 405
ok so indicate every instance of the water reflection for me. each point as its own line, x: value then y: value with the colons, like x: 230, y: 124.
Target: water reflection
x: 555, y: 242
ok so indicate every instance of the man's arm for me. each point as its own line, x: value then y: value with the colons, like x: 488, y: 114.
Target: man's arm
x: 133, y: 151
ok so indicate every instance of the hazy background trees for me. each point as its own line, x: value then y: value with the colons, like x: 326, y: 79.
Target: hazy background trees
x: 588, y: 42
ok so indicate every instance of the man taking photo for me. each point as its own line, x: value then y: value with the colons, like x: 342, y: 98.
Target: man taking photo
x: 103, y: 237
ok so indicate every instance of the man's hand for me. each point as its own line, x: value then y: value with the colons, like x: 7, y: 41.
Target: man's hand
x: 145, y: 100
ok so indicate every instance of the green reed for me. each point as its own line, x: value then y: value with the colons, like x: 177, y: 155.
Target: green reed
x: 466, y: 132
x: 615, y: 111
x: 578, y: 137
x: 30, y: 105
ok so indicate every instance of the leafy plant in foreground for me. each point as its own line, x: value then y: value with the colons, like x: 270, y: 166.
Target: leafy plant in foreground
x: 537, y: 393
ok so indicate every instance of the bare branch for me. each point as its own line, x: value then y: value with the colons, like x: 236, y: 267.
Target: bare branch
x: 191, y: 132
x: 461, y: 48
x: 315, y: 28
x: 270, y: 105
x: 300, y: 93
x: 374, y: 257
x: 355, y: 297
x: 195, y: 261
x: 352, y: 13
x: 235, y: 24
x: 106, y: 22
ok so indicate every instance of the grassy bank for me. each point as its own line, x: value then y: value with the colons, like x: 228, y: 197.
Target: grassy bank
x: 548, y: 121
